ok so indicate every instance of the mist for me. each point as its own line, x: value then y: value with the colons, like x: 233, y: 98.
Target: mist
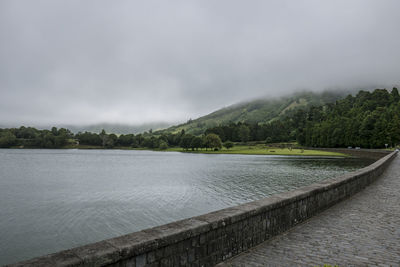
x: 135, y: 62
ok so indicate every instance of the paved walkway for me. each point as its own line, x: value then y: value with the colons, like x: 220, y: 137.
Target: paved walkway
x: 361, y: 231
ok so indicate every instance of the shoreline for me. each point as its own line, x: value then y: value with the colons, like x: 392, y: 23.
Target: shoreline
x: 240, y: 150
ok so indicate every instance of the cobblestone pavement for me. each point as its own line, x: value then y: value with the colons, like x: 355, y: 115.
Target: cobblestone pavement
x: 361, y: 231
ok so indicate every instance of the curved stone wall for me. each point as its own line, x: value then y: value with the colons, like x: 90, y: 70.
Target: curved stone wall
x: 211, y: 238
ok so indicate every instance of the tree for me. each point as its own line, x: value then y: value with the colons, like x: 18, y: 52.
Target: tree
x: 394, y: 130
x: 268, y: 140
x: 395, y: 94
x: 219, y: 130
x: 7, y: 139
x: 125, y: 140
x: 204, y: 142
x: 54, y: 131
x: 138, y: 141
x: 108, y: 140
x: 87, y: 138
x: 213, y: 141
x: 186, y: 141
x: 151, y: 142
x: 103, y: 137
x: 196, y: 143
x: 244, y: 133
x: 26, y: 133
x: 111, y: 141
x: 163, y: 145
x: 228, y: 144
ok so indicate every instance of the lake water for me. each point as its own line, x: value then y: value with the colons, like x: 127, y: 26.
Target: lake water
x: 57, y: 199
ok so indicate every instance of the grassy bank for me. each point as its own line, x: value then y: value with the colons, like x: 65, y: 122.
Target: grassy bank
x: 263, y: 150
x: 258, y: 149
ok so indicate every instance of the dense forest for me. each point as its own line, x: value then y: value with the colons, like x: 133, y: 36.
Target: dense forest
x: 31, y: 137
x: 368, y: 120
x: 28, y: 137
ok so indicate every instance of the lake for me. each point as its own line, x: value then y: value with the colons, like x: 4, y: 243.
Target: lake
x: 52, y: 200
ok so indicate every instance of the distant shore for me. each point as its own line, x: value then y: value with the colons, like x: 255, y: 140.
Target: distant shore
x: 263, y: 150
x: 237, y: 149
x: 266, y: 151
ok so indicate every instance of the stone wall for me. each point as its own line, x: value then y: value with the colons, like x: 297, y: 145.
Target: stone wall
x: 211, y: 238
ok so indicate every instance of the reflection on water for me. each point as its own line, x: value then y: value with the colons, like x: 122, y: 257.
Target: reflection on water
x: 57, y: 199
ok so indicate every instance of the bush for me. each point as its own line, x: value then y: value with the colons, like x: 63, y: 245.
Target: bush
x: 228, y: 144
x: 163, y: 145
x: 7, y: 139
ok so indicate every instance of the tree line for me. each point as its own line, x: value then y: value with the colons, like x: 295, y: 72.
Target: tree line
x: 368, y: 120
x: 149, y: 140
x: 29, y: 137
x: 32, y: 137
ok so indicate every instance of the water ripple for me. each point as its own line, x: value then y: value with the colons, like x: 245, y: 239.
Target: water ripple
x: 66, y: 198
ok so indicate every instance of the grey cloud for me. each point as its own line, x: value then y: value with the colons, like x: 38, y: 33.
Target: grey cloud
x: 138, y: 61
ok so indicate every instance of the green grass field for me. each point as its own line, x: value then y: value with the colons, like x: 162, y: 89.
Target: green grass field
x: 237, y: 149
x: 263, y: 150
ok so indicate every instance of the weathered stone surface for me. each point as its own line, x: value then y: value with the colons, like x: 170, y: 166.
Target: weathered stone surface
x: 140, y: 260
x: 44, y: 261
x: 134, y: 244
x: 178, y: 231
x: 221, y: 218
x: 262, y: 205
x: 63, y: 258
x: 97, y: 254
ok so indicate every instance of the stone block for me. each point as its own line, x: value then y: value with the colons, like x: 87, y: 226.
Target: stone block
x: 97, y: 254
x: 134, y: 244
x: 178, y: 231
x: 141, y: 260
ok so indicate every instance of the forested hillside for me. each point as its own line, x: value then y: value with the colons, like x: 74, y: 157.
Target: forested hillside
x: 368, y: 120
x: 257, y: 111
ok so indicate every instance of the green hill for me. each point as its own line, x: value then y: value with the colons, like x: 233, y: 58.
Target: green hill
x: 257, y: 111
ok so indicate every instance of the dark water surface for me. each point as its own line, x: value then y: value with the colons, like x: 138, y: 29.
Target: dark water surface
x: 57, y: 199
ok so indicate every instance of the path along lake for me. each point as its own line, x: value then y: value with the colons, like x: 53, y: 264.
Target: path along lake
x: 52, y: 200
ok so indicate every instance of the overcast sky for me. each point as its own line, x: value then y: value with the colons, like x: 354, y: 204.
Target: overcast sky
x: 80, y: 62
